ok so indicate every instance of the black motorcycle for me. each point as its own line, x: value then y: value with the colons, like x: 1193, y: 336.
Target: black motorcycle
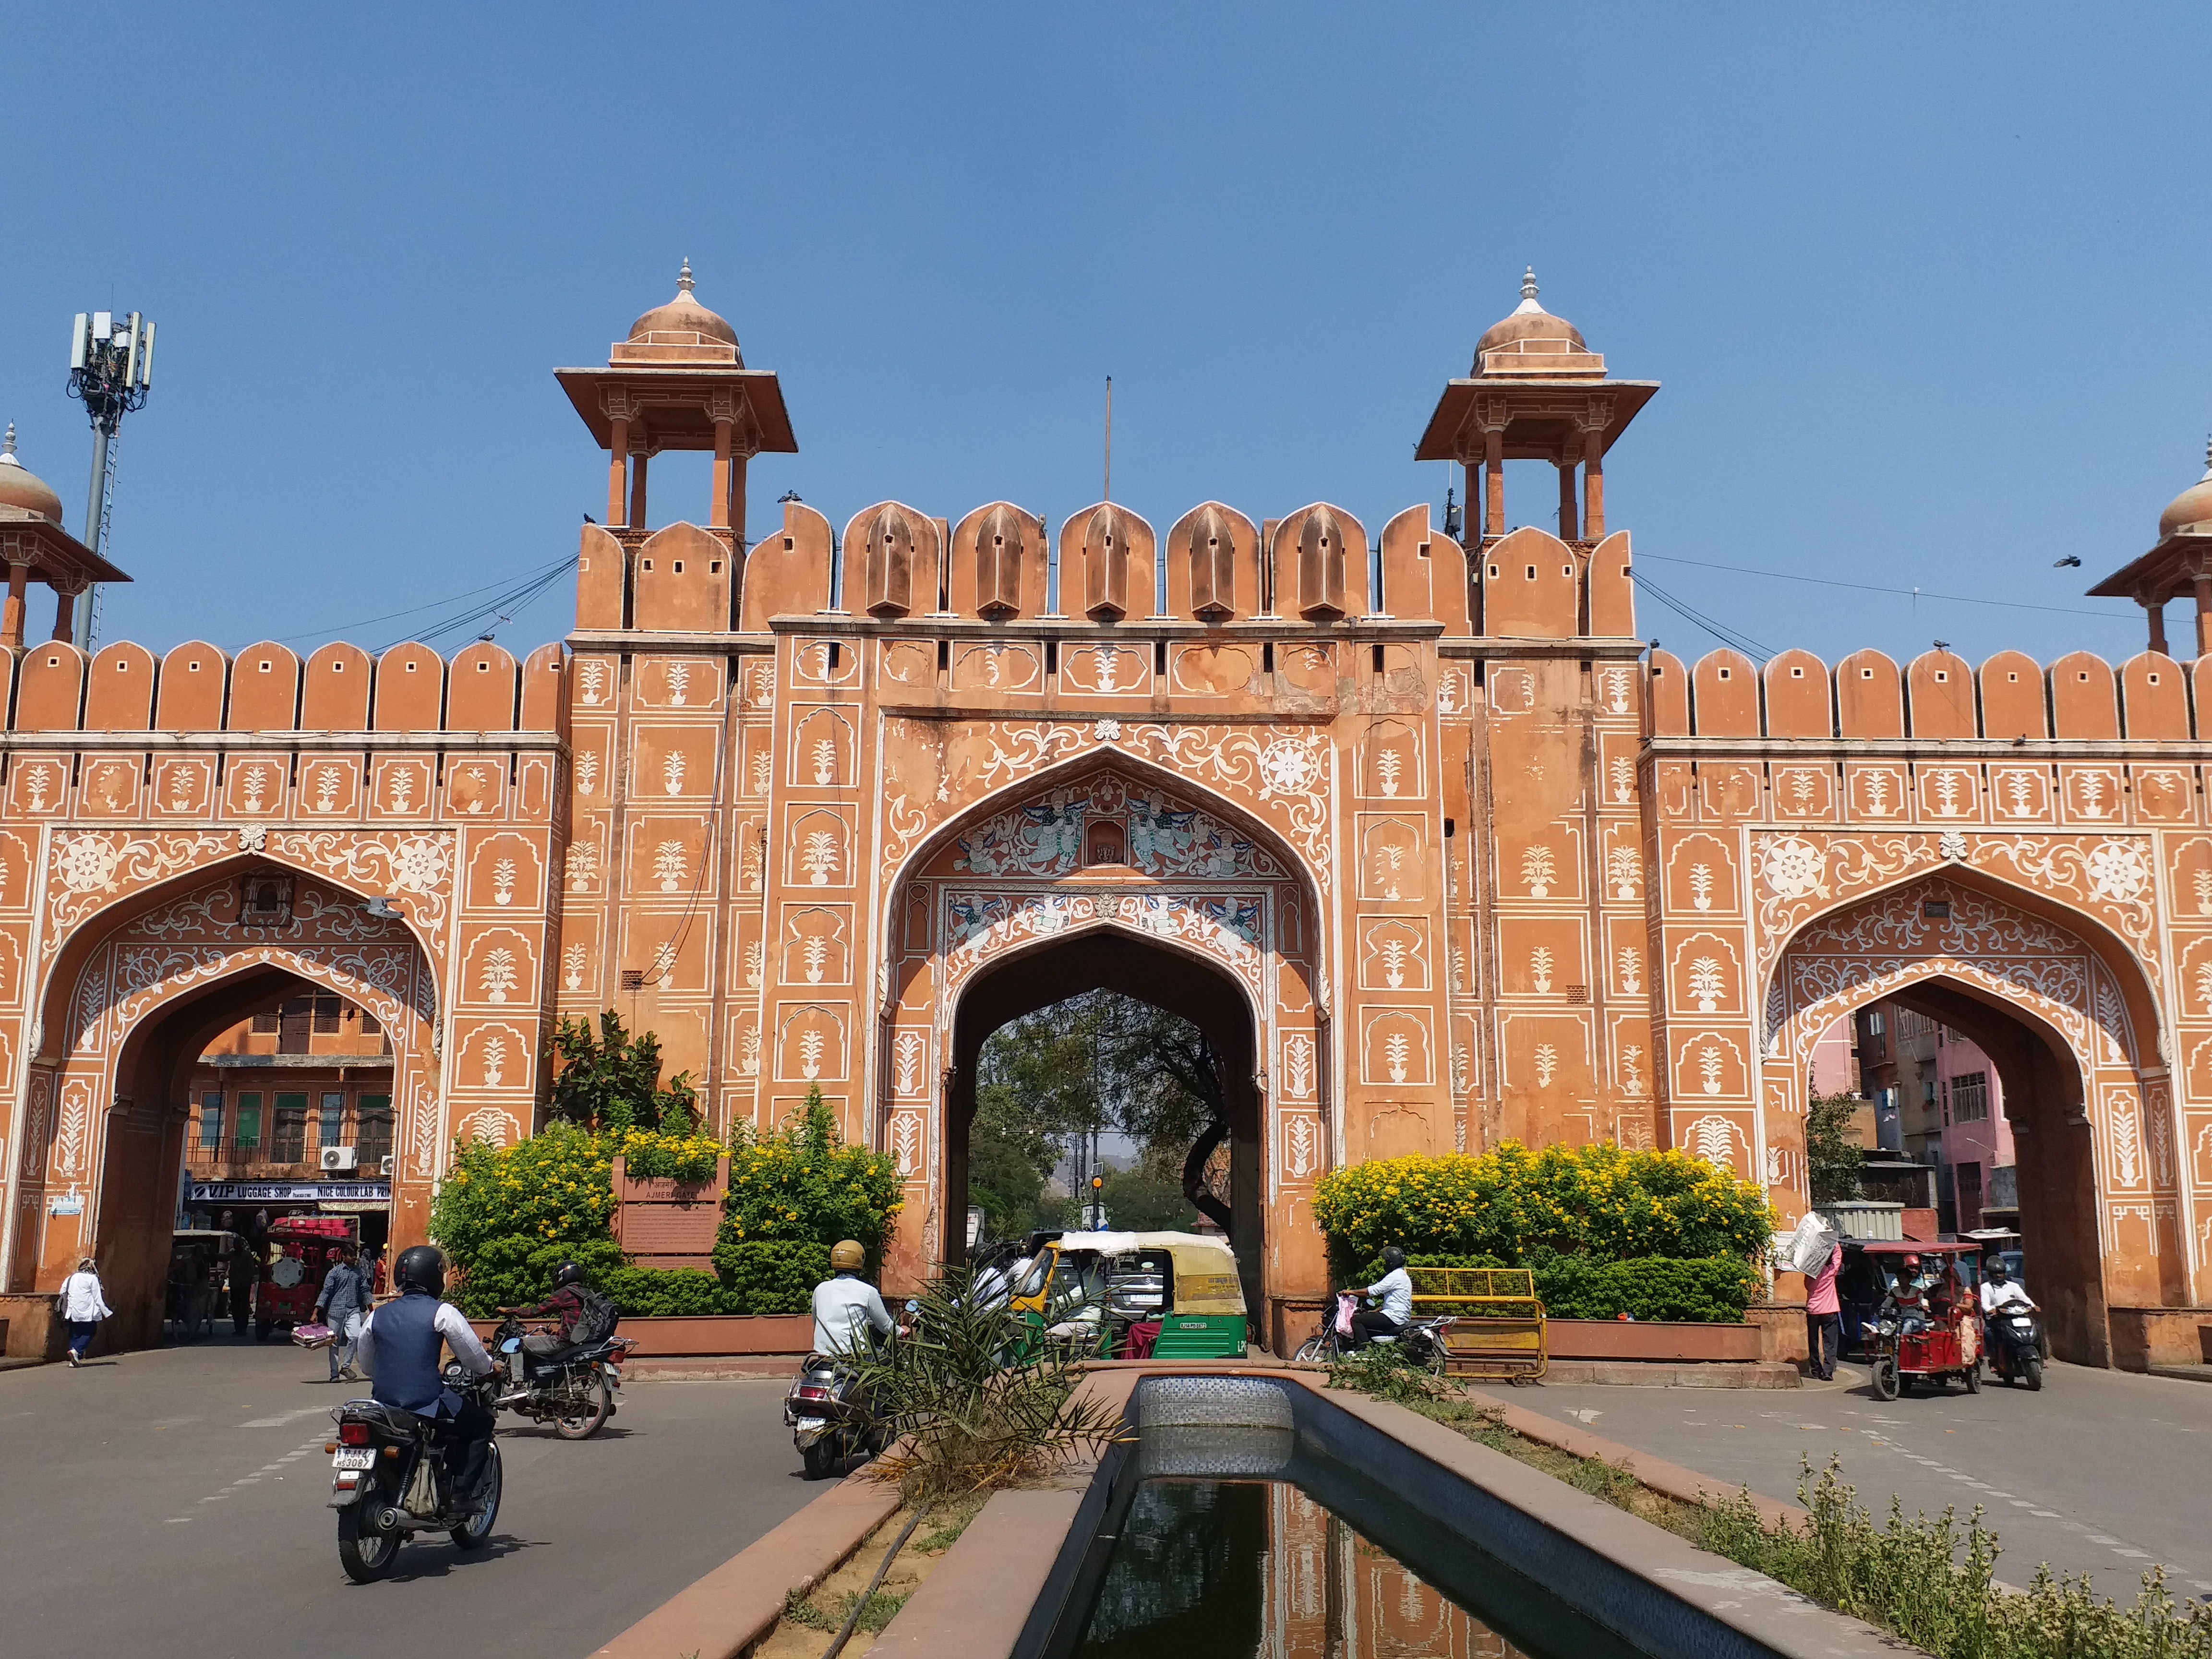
x: 829, y: 1419
x: 2015, y: 1345
x: 574, y: 1391
x: 390, y: 1481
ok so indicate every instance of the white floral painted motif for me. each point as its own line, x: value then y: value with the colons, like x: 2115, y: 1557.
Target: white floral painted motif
x: 2117, y: 872
x: 670, y: 866
x: 1287, y: 767
x: 502, y: 882
x: 572, y: 967
x: 1299, y: 1137
x: 497, y: 977
x: 1547, y: 1064
x: 1539, y: 969
x: 671, y: 772
x: 1713, y: 1139
x: 1539, y: 868
x: 587, y: 773
x: 1705, y: 983
x: 1794, y: 868
x: 1951, y: 844
x: 418, y: 864
x: 86, y: 863
x: 1106, y: 728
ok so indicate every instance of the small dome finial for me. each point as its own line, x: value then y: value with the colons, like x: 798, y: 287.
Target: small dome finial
x: 683, y: 276
x: 1529, y: 284
x: 8, y: 445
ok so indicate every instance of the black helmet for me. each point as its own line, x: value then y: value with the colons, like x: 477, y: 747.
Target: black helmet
x: 1998, y: 1272
x: 1393, y: 1259
x: 568, y: 1273
x: 420, y: 1268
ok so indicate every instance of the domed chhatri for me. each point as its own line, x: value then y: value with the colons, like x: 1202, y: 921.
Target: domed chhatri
x: 682, y: 331
x: 21, y: 489
x: 2190, y: 514
x: 1529, y: 341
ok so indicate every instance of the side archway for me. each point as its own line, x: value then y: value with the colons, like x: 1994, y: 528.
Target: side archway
x: 2089, y: 1096
x: 100, y: 1134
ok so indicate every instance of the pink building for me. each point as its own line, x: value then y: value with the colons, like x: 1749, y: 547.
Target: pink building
x: 1976, y: 1138
x: 1833, y: 1068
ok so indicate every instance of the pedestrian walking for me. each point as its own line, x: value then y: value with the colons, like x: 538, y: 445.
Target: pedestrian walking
x: 340, y: 1305
x: 1824, y: 1316
x: 82, y: 1305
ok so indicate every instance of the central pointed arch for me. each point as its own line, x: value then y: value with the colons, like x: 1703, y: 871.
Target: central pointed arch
x: 1106, y: 872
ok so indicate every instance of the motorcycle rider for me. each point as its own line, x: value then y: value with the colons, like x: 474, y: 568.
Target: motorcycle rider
x: 399, y: 1344
x: 1999, y: 1291
x: 564, y: 1302
x: 1396, y: 1287
x: 849, y: 1314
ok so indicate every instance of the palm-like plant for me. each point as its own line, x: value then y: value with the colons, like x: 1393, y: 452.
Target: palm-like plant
x: 976, y: 1400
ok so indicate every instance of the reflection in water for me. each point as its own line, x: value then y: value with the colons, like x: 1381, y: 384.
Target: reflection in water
x: 1227, y: 1569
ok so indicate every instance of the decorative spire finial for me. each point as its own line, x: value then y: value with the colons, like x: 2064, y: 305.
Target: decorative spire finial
x: 8, y: 445
x: 683, y: 276
x: 1529, y: 284
x: 2208, y: 447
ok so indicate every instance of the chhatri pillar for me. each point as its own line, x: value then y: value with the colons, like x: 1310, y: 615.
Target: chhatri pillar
x: 679, y: 381
x: 1535, y: 392
x: 2180, y: 564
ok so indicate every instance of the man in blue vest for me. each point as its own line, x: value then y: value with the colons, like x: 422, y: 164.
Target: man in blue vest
x: 402, y: 1355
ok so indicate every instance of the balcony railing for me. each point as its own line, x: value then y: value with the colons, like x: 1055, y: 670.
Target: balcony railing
x: 262, y: 1163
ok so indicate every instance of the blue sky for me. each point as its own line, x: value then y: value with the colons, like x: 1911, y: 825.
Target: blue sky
x: 1926, y: 290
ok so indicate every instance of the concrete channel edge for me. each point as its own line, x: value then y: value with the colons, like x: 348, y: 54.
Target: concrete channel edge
x: 725, y: 1613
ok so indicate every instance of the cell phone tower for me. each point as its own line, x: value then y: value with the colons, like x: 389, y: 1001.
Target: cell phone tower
x: 111, y: 369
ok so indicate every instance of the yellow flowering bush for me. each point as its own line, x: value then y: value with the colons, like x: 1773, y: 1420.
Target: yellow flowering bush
x: 554, y: 1187
x: 1602, y: 1202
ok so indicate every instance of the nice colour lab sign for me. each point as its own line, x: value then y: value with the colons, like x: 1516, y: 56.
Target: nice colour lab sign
x: 289, y: 1191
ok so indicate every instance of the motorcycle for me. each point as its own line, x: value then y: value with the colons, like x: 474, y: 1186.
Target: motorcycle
x: 574, y: 1393
x: 2015, y: 1345
x: 390, y: 1481
x: 1421, y: 1340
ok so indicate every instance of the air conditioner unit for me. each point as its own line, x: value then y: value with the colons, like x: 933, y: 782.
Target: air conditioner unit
x: 338, y: 1157
x: 384, y: 1165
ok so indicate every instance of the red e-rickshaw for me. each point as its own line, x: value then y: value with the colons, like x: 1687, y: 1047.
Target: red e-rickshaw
x: 291, y: 1276
x: 1929, y: 1324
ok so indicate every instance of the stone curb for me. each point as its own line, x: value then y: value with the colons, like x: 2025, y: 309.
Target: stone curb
x: 1668, y: 1480
x: 733, y: 1606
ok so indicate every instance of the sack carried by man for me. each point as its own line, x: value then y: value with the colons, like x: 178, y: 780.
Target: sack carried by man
x: 312, y: 1336
x: 1811, y: 1244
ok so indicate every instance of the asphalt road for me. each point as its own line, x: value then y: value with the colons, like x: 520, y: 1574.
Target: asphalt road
x: 2103, y: 1472
x: 173, y: 1502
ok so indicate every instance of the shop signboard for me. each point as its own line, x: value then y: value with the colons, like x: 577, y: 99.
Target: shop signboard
x: 291, y: 1191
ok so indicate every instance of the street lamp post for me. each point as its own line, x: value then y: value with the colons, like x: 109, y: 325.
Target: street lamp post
x: 111, y: 369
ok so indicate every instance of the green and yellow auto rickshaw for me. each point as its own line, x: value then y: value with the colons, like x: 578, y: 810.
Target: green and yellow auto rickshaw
x: 1174, y: 1296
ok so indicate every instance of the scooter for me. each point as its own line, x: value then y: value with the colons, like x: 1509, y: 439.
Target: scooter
x: 1422, y: 1339
x: 2015, y: 1344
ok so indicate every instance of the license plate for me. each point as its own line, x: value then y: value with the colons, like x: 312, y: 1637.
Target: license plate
x: 354, y: 1457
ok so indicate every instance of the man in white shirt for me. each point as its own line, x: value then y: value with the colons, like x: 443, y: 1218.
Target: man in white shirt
x: 847, y: 1308
x: 1998, y: 1291
x: 1395, y: 1288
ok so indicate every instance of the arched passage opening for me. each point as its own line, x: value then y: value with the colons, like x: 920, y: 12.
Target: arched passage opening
x: 127, y: 1012
x: 1151, y: 972
x: 2068, y: 1023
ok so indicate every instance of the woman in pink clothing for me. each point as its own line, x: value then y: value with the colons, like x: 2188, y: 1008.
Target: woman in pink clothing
x: 1824, y: 1317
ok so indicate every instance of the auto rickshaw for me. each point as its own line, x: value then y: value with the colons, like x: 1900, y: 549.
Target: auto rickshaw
x: 1180, y: 1292
x: 196, y: 1260
x: 292, y: 1277
x: 1929, y: 1326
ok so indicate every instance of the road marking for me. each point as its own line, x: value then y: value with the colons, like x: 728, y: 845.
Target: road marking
x: 1585, y: 1414
x: 282, y: 1418
x: 2143, y: 1555
x: 2099, y: 1538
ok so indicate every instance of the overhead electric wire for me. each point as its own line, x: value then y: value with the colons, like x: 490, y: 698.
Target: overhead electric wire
x: 500, y: 608
x: 417, y: 610
x: 1735, y: 640
x: 1870, y: 587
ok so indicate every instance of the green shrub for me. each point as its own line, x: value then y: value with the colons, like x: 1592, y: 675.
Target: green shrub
x: 1601, y: 1201
x: 1705, y: 1291
x: 769, y: 1276
x: 803, y: 1182
x: 666, y: 1292
x: 517, y: 1271
x: 650, y: 1156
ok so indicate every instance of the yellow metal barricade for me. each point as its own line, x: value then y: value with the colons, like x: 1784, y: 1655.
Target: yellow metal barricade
x: 1496, y: 1331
